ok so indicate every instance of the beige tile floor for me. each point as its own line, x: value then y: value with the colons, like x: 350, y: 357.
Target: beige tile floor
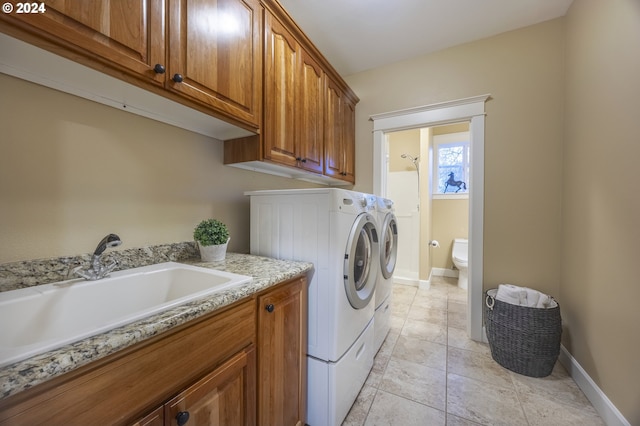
x: 429, y: 373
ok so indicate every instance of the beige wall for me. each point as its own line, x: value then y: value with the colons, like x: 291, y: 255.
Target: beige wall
x: 600, y: 287
x: 72, y: 171
x: 403, y: 142
x: 450, y: 219
x: 523, y: 72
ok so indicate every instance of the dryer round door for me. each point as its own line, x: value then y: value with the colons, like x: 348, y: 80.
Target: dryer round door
x: 389, y: 247
x: 361, y: 261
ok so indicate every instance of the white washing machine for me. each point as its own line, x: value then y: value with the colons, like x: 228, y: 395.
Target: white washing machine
x: 336, y: 230
x: 388, y: 255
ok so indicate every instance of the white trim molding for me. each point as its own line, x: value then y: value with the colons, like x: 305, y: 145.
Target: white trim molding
x: 444, y: 272
x: 603, y: 405
x: 468, y: 109
x: 424, y: 284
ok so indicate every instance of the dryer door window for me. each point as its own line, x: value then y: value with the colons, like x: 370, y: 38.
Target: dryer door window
x: 389, y: 248
x: 360, y: 261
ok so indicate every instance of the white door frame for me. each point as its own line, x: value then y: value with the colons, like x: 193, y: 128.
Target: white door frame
x: 468, y: 109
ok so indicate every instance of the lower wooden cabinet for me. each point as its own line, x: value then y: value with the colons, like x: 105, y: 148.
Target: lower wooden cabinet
x: 282, y: 350
x: 208, y: 372
x: 226, y: 396
x: 155, y: 418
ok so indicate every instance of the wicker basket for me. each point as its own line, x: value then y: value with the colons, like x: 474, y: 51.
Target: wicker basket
x: 522, y: 339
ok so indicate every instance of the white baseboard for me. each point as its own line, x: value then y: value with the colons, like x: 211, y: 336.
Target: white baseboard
x: 605, y: 408
x: 406, y: 281
x: 443, y: 272
x: 424, y: 284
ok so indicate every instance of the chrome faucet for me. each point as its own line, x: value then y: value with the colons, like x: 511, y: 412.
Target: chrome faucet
x: 97, y: 270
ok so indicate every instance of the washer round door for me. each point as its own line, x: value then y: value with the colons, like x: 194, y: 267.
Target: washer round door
x: 361, y: 261
x: 389, y: 248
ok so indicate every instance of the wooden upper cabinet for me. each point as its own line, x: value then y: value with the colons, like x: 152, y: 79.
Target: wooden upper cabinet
x: 310, y: 114
x: 281, y: 76
x: 294, y: 100
x: 349, y: 139
x: 127, y: 34
x: 333, y: 118
x: 339, y: 134
x: 215, y: 54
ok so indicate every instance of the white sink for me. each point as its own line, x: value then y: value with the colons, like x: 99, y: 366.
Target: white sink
x: 39, y: 319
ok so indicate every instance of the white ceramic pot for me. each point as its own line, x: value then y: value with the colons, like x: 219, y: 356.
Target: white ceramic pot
x: 213, y: 253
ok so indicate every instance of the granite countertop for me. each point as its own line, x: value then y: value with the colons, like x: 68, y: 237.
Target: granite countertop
x: 32, y: 371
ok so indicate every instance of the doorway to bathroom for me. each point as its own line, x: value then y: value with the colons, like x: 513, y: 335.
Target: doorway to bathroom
x: 428, y: 180
x: 470, y: 112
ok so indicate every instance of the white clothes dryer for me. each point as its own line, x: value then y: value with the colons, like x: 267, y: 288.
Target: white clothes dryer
x: 388, y: 255
x: 336, y: 230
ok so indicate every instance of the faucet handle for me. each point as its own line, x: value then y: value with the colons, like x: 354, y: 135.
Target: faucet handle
x: 107, y: 269
x: 87, y: 274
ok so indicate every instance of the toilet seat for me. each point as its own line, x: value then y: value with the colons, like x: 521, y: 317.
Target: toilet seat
x: 459, y: 261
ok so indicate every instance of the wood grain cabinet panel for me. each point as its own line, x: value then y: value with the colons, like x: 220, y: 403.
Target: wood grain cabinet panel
x: 125, y: 34
x: 225, y: 397
x: 215, y: 54
x: 310, y: 113
x: 334, y: 157
x: 349, y: 139
x: 155, y: 418
x: 294, y: 99
x: 282, y: 347
x: 339, y: 125
x: 280, y: 93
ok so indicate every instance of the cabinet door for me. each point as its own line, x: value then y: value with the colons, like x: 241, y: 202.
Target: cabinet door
x: 281, y: 74
x: 215, y: 55
x: 349, y: 140
x: 310, y: 110
x: 282, y: 321
x: 225, y: 397
x: 128, y: 34
x: 333, y: 132
x: 339, y: 134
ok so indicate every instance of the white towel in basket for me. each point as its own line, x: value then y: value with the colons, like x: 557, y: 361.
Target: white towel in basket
x: 513, y: 294
x: 523, y: 296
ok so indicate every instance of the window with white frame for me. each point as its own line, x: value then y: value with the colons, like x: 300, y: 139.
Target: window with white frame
x: 451, y: 164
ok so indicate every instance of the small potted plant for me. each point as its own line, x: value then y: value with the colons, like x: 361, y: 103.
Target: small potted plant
x: 212, y: 237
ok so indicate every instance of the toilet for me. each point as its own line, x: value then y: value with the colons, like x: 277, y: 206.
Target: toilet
x: 460, y: 256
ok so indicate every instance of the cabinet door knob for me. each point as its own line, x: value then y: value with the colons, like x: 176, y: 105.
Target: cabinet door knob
x: 159, y: 69
x: 177, y: 78
x: 182, y: 418
x: 270, y: 307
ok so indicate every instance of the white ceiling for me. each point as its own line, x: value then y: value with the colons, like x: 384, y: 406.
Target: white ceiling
x: 357, y: 35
